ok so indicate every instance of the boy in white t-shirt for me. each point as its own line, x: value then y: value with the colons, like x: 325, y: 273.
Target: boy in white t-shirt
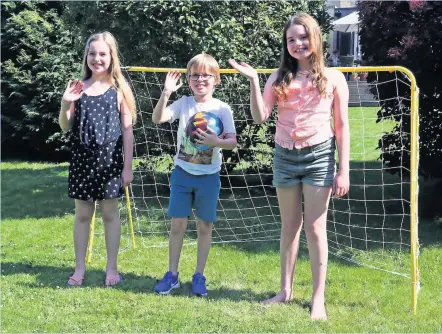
x: 195, y: 180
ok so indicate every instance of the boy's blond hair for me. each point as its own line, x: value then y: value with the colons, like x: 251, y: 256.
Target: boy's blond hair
x: 206, y: 63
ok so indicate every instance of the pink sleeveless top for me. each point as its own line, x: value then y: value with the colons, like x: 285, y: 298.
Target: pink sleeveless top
x: 304, y: 119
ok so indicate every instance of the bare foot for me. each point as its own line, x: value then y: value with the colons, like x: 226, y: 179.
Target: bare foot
x: 281, y: 297
x: 318, y: 311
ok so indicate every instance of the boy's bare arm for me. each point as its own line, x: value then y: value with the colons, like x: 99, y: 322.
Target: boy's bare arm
x: 171, y: 85
x: 159, y: 115
x: 228, y: 142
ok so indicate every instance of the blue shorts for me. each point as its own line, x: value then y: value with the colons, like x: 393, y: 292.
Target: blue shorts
x: 199, y: 191
x: 314, y: 165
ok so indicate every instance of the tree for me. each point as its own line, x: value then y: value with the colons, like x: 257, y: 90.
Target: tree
x: 37, y: 58
x: 411, y: 37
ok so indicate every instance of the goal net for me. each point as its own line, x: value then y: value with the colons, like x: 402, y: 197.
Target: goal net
x: 374, y: 225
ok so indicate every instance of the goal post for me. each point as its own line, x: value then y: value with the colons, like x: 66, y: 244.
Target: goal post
x: 374, y: 225
x: 414, y: 162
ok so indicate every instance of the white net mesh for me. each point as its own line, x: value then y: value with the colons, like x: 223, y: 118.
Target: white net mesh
x: 370, y: 226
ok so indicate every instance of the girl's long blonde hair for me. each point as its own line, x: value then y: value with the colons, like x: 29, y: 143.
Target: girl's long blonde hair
x: 289, y: 65
x: 114, y: 69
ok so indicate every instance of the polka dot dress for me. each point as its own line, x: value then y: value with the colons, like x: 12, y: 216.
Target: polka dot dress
x: 97, y: 153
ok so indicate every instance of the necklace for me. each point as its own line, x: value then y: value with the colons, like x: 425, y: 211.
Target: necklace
x: 303, y: 73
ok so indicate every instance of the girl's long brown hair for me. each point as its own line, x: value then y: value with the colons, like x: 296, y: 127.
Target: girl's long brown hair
x: 114, y: 69
x: 289, y: 65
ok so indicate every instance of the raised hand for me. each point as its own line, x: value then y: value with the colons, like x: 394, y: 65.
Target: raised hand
x: 73, y: 91
x: 170, y: 84
x: 245, y: 69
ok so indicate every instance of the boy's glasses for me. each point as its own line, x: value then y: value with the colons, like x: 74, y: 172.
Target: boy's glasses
x: 204, y: 77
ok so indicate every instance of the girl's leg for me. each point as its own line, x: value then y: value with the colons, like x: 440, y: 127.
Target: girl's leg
x: 290, y: 206
x: 204, y: 243
x: 112, y: 232
x: 176, y: 237
x: 83, y: 214
x: 316, y: 201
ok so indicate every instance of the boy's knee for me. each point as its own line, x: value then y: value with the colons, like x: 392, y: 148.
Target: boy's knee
x: 178, y: 225
x: 203, y: 227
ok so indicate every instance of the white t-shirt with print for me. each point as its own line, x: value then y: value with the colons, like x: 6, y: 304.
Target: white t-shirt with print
x: 192, y: 160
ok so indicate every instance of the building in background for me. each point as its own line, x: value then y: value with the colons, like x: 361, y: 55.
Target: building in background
x: 345, y: 35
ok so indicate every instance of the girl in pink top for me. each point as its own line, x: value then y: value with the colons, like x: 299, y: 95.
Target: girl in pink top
x: 304, y: 158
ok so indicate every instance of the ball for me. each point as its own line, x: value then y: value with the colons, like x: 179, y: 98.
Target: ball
x: 204, y: 121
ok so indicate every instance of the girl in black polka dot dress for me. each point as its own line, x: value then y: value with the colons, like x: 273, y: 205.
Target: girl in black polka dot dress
x: 100, y: 111
x: 97, y: 154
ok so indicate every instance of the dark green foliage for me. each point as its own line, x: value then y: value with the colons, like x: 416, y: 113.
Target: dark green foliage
x: 167, y: 34
x: 37, y: 58
x: 411, y: 37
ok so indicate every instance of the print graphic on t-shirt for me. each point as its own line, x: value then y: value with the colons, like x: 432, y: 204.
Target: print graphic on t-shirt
x: 190, y: 150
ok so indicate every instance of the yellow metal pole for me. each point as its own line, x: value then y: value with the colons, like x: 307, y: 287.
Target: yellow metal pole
x: 414, y: 250
x: 129, y: 215
x: 271, y: 70
x: 90, y: 244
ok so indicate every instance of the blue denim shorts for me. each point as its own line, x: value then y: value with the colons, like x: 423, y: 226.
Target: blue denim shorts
x: 199, y: 191
x: 314, y: 165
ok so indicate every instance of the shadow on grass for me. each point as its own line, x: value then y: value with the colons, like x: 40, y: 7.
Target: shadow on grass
x: 273, y: 247
x: 35, y: 193
x: 56, y: 278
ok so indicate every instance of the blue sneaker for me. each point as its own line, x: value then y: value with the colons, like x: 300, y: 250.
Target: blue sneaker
x: 199, y: 285
x: 167, y: 284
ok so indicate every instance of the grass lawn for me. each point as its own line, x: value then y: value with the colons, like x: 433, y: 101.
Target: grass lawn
x: 37, y: 256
